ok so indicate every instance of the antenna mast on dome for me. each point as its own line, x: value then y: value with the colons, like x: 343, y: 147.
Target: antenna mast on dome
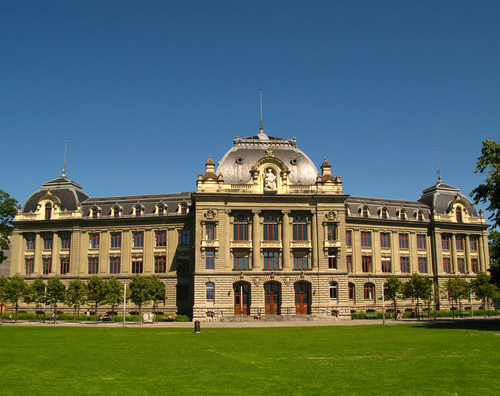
x: 261, y: 126
x: 64, y: 166
x: 439, y: 167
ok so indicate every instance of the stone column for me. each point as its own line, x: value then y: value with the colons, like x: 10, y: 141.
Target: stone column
x: 37, y: 260
x: 287, y: 265
x: 468, y: 268
x: 56, y: 247
x: 314, y: 236
x: 256, y: 261
x: 228, y: 232
x: 453, y: 247
x: 377, y: 253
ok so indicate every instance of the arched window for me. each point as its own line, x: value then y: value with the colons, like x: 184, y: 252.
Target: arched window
x: 352, y: 291
x: 116, y: 211
x: 420, y: 216
x: 402, y: 215
x: 240, y: 228
x: 384, y: 213
x: 270, y: 228
x: 94, y: 213
x: 333, y: 291
x: 210, y: 291
x: 369, y: 291
x: 138, y: 211
x: 48, y: 211
x: 299, y: 228
x: 184, y: 209
x: 161, y: 210
x: 458, y: 212
x: 365, y: 212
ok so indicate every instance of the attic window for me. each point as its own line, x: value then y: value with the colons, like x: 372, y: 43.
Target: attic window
x: 294, y: 161
x: 239, y: 160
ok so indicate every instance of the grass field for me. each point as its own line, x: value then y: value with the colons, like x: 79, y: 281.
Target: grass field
x: 410, y: 359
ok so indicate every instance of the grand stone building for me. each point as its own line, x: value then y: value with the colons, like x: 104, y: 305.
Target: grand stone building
x: 263, y: 232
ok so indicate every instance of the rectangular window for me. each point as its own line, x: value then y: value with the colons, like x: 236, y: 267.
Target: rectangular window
x: 93, y: 265
x: 332, y: 232
x: 385, y: 240
x: 405, y: 265
x: 368, y: 291
x: 300, y: 261
x: 47, y: 241
x: 64, y: 266
x: 403, y: 241
x: 422, y: 265
x: 210, y: 259
x: 271, y: 260
x: 460, y: 243
x: 114, y: 265
x: 386, y: 265
x: 366, y: 239
x: 461, y: 265
x: 446, y: 265
x: 351, y: 291
x: 30, y: 265
x: 160, y: 265
x: 240, y: 228
x: 116, y: 240
x: 30, y: 242
x: 348, y: 238
x: 160, y: 238
x: 47, y: 265
x: 65, y: 241
x: 137, y: 267
x: 183, y: 264
x: 332, y: 258
x: 93, y: 243
x: 445, y: 242
x: 366, y: 262
x: 184, y: 237
x: 421, y: 242
x: 210, y: 232
x: 474, y: 265
x: 300, y: 228
x: 473, y: 244
x: 349, y: 263
x: 241, y: 262
x: 210, y: 291
x: 137, y: 239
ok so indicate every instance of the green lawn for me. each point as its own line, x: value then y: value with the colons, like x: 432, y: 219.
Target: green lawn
x: 411, y: 359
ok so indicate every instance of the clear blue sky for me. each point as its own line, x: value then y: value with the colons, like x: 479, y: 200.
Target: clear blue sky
x: 145, y: 91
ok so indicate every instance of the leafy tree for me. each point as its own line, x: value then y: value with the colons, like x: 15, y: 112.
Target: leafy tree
x: 76, y: 295
x: 3, y: 288
x: 483, y: 289
x: 418, y: 288
x: 393, y: 286
x: 140, y: 292
x: 114, y: 294
x: 158, y: 290
x: 96, y: 292
x: 37, y: 293
x: 15, y: 290
x: 494, y: 239
x: 55, y: 293
x: 8, y: 210
x: 457, y: 289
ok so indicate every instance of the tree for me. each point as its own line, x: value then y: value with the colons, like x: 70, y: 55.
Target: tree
x: 3, y: 288
x: 76, y: 295
x: 15, y: 290
x: 55, y: 293
x: 114, y: 294
x: 8, y: 210
x: 158, y: 290
x: 457, y: 289
x: 483, y: 289
x: 419, y: 288
x: 96, y: 292
x: 392, y: 291
x: 140, y: 292
x: 494, y: 239
x: 37, y: 293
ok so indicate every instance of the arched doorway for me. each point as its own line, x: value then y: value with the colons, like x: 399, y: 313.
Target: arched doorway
x: 241, y: 298
x: 272, y: 298
x: 302, y: 293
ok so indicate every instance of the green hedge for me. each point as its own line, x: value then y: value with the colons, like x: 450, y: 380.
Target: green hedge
x: 439, y: 314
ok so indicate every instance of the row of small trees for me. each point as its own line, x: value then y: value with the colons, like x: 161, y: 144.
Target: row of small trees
x: 457, y: 289
x: 96, y: 291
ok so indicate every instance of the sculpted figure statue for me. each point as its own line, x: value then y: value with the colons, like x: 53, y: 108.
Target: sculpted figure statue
x: 270, y: 181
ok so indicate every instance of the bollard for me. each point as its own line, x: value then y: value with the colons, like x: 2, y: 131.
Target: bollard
x: 197, y: 326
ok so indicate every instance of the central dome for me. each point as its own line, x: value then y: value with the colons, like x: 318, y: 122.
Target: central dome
x: 235, y: 166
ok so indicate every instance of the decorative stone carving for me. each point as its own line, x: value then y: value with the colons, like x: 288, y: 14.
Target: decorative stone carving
x: 210, y: 214
x: 269, y: 152
x: 332, y: 215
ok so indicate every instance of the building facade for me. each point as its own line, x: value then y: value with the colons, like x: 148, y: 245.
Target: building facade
x: 264, y: 233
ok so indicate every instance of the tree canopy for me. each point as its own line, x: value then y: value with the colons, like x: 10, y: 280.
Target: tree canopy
x: 483, y: 289
x: 8, y: 210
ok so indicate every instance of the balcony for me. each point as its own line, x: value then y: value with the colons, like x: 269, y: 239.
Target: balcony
x: 241, y: 244
x: 270, y: 244
x: 300, y: 244
x: 210, y: 243
x: 332, y: 244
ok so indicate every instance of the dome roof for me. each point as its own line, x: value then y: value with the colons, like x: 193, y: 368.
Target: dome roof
x: 68, y: 192
x: 441, y: 195
x: 235, y: 166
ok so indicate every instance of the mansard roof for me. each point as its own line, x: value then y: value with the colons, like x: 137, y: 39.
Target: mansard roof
x: 440, y: 196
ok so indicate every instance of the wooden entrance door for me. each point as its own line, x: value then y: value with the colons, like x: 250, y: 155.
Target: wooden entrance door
x: 272, y: 298
x: 240, y: 308
x: 302, y: 298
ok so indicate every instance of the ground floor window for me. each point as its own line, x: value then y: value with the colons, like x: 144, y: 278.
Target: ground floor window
x: 422, y: 265
x: 386, y: 265
x: 405, y: 264
x: 446, y: 265
x: 64, y: 266
x: 210, y: 291
x: 474, y: 265
x: 160, y: 265
x: 352, y: 289
x: 30, y: 265
x: 461, y: 265
x: 137, y: 267
x: 93, y: 265
x: 369, y: 291
x: 333, y: 290
x: 47, y: 265
x: 114, y: 265
x: 367, y: 263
